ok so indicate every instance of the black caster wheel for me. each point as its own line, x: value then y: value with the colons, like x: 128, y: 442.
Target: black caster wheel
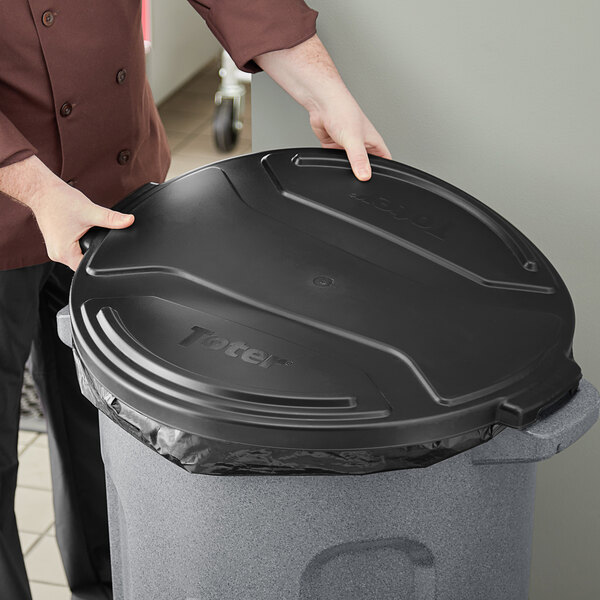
x: 224, y: 130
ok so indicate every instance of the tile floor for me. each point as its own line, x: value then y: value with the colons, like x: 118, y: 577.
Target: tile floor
x: 35, y: 517
x: 187, y: 116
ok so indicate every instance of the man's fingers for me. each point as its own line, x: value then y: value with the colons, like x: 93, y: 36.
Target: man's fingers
x: 94, y: 216
x: 70, y: 256
x: 111, y: 219
x: 74, y: 257
x: 359, y: 160
x: 379, y: 150
x: 375, y: 145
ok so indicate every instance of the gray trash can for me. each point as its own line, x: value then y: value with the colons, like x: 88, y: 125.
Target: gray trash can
x: 314, y: 388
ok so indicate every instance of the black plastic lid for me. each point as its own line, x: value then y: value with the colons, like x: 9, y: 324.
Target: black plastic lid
x: 274, y: 300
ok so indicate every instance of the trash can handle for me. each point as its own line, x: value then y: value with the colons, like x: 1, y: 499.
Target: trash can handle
x: 63, y: 326
x: 548, y: 436
x: 127, y: 204
x: 560, y: 383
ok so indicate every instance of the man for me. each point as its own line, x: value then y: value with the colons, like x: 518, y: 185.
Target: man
x: 78, y: 132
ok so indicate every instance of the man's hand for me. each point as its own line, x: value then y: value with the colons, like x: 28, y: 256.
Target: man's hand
x: 63, y: 213
x: 308, y: 74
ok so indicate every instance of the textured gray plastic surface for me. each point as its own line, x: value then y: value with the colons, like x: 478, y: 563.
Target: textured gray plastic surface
x: 63, y: 325
x: 549, y: 435
x: 458, y: 530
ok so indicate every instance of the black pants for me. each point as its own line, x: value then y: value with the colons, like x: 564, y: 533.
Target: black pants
x: 29, y: 300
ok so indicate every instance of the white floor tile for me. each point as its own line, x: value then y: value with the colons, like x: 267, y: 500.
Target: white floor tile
x: 41, y: 441
x: 204, y: 145
x: 44, y: 563
x: 34, y: 468
x: 34, y: 510
x: 26, y: 437
x: 176, y: 138
x: 43, y: 591
x: 182, y: 122
x: 186, y: 103
x: 182, y: 164
x: 27, y: 540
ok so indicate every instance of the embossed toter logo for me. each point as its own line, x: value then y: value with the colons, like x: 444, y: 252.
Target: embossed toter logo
x: 211, y: 341
x: 403, y: 211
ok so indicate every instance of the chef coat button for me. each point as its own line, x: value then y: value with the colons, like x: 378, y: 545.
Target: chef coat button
x: 123, y: 157
x: 66, y: 109
x: 48, y: 18
x: 121, y: 76
x: 72, y: 182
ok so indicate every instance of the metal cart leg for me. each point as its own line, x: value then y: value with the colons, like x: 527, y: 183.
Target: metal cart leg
x: 229, y: 104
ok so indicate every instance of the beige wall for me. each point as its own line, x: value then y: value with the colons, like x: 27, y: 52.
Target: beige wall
x: 181, y: 46
x: 501, y: 99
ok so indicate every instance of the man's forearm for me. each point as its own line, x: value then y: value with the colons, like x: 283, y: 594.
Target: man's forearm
x: 306, y: 72
x: 63, y: 213
x: 26, y: 181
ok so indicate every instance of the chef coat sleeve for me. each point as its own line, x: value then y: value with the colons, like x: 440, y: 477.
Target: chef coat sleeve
x: 13, y: 144
x: 249, y: 28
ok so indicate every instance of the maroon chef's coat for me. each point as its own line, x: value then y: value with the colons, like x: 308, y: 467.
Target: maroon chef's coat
x: 73, y: 91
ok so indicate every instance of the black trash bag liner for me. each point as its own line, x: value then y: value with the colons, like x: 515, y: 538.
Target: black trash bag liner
x: 201, y: 455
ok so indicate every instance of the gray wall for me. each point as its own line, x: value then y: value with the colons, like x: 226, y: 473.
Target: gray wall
x: 501, y: 99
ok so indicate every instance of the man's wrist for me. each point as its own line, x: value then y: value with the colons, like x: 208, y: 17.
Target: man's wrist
x: 28, y: 181
x: 307, y: 73
x: 327, y: 93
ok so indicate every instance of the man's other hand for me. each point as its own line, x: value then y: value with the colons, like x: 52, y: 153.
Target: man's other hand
x: 341, y: 123
x: 308, y: 74
x: 63, y: 213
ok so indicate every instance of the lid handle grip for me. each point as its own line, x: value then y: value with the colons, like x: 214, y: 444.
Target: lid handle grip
x: 126, y: 205
x: 524, y: 409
